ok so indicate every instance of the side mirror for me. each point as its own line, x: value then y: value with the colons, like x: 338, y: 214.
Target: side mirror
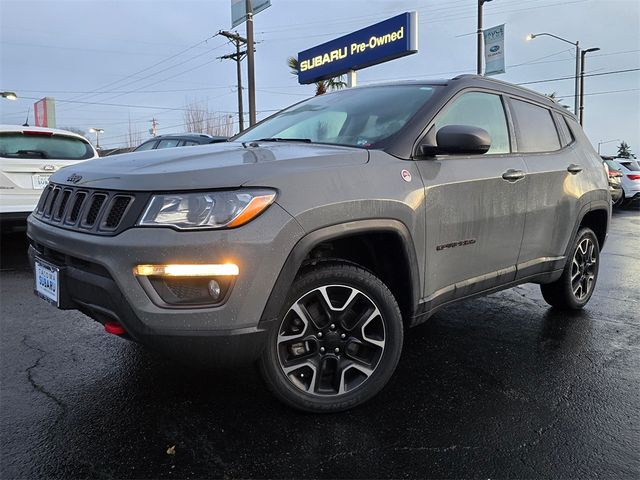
x: 459, y: 140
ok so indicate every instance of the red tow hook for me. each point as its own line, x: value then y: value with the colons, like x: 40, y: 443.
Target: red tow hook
x: 114, y: 328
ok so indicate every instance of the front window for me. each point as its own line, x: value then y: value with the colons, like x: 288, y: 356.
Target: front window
x: 359, y: 117
x: 146, y: 146
x: 37, y: 144
x: 482, y: 110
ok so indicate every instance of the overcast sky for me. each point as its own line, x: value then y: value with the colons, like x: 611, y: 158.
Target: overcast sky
x: 93, y: 51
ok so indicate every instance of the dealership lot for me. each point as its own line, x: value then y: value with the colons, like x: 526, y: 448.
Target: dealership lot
x: 500, y: 386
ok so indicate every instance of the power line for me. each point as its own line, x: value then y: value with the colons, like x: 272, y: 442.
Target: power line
x: 573, y: 76
x: 171, y: 57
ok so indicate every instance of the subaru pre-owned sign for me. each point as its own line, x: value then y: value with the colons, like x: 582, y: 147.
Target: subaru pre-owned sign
x: 384, y: 41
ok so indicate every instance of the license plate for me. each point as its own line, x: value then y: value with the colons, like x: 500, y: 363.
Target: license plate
x: 47, y: 282
x: 40, y: 181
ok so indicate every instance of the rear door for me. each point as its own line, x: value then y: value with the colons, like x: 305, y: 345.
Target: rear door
x: 554, y: 171
x: 475, y: 204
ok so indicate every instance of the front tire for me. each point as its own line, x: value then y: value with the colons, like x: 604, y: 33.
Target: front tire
x: 574, y: 288
x: 337, y: 342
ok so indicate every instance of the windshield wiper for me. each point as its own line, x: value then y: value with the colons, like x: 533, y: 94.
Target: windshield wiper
x: 280, y: 139
x: 28, y: 154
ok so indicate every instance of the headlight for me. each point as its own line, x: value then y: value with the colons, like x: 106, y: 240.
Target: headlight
x: 187, y: 211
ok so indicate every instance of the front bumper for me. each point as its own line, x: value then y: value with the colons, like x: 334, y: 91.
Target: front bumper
x: 97, y: 278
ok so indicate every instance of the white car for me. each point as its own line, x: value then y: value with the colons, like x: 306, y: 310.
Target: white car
x: 28, y: 157
x: 630, y: 170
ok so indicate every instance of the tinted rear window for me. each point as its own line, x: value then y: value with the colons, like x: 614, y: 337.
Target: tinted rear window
x: 536, y: 131
x: 43, y: 146
x: 630, y: 165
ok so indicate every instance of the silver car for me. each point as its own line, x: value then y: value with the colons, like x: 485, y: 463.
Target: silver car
x: 310, y: 242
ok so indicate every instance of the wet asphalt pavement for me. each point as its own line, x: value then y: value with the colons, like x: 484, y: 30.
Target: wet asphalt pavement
x: 495, y: 387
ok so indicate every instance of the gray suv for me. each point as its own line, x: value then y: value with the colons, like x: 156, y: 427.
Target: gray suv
x: 310, y: 242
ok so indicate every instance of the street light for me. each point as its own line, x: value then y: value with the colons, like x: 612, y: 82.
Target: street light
x: 531, y: 36
x: 479, y: 34
x: 97, y: 131
x: 602, y: 142
x: 9, y: 95
x: 581, y: 110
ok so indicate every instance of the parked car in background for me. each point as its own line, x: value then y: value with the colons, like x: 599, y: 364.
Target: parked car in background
x: 630, y: 170
x: 28, y: 157
x: 178, y: 140
x: 615, y: 182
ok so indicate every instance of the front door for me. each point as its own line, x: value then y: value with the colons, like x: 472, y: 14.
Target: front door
x: 475, y: 205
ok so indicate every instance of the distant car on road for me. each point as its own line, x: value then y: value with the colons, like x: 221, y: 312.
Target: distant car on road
x: 178, y: 140
x: 28, y: 157
x: 630, y: 170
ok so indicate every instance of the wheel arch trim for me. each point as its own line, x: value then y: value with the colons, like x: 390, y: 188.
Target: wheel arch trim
x: 334, y: 232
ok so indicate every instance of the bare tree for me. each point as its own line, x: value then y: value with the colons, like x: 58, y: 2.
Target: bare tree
x: 199, y: 119
x: 79, y: 131
x: 134, y: 136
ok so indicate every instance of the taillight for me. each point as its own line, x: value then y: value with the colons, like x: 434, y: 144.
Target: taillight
x: 36, y: 132
x: 614, y: 173
x: 632, y: 176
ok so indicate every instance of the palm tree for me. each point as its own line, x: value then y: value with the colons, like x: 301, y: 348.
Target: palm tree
x: 322, y: 86
x: 624, y: 150
x: 554, y: 96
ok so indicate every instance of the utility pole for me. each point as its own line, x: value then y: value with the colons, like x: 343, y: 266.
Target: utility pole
x: 480, y: 40
x: 251, y: 65
x: 238, y: 41
x: 154, y: 127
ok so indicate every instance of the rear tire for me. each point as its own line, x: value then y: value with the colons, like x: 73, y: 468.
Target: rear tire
x: 574, y: 288
x: 337, y: 341
x: 620, y: 202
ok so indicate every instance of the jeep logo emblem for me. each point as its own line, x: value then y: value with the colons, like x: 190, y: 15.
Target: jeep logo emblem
x: 75, y: 178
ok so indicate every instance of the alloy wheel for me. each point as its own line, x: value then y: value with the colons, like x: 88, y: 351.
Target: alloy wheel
x: 331, y: 340
x: 583, y: 269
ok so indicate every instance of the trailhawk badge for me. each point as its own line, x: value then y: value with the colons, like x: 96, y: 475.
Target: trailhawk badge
x: 406, y: 175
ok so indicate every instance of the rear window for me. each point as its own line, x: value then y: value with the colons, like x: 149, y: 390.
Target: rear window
x: 536, y: 131
x: 630, y: 165
x: 43, y: 145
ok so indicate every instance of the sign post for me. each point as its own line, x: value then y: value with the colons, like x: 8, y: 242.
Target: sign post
x: 494, y: 50
x: 44, y: 111
x: 390, y: 39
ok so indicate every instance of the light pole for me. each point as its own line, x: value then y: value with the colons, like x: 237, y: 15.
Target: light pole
x: 584, y: 52
x: 97, y: 131
x: 9, y: 95
x: 602, y: 142
x: 577, y: 82
x: 479, y: 35
x: 251, y: 65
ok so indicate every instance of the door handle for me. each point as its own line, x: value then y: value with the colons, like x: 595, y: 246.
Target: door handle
x: 573, y: 168
x: 512, y: 175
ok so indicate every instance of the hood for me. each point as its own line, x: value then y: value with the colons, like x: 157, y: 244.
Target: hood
x: 219, y: 165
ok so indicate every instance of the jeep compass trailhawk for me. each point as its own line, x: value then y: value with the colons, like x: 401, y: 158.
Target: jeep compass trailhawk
x: 311, y: 241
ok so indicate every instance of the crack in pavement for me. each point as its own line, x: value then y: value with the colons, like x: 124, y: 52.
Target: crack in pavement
x: 36, y: 386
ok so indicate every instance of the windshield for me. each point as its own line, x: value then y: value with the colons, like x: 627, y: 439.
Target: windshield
x: 43, y: 145
x: 359, y: 117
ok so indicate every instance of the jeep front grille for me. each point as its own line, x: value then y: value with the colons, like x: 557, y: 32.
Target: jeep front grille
x: 101, y: 212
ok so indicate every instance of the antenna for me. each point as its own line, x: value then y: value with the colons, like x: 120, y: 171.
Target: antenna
x: 26, y: 122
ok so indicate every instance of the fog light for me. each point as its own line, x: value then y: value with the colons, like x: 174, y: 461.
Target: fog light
x: 214, y: 289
